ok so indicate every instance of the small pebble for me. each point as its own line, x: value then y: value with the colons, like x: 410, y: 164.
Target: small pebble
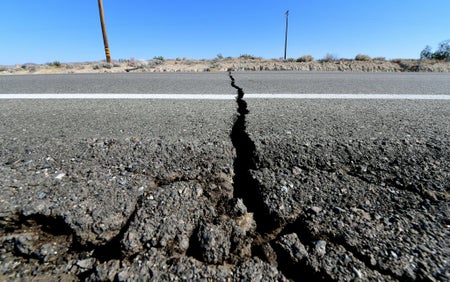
x: 320, y: 247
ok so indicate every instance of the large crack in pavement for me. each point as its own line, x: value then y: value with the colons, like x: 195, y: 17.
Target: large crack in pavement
x: 292, y: 245
x: 215, y: 210
x: 268, y: 231
x: 269, y: 239
x: 183, y: 219
x: 245, y: 187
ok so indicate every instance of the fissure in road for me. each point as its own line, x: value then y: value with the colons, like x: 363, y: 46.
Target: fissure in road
x: 244, y: 185
x: 246, y: 188
x: 190, y: 218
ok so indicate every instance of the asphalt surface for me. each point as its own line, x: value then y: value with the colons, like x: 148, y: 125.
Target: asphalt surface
x: 217, y: 83
x: 260, y: 189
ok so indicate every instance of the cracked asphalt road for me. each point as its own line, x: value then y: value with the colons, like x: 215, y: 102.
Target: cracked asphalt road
x: 256, y: 190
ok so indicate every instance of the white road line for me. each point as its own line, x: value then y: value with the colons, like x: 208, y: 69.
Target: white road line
x: 119, y: 96
x: 224, y: 96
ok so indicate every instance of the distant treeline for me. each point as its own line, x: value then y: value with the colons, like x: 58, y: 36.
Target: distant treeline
x: 442, y: 53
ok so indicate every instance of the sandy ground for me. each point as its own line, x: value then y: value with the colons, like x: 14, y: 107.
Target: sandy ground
x: 227, y: 64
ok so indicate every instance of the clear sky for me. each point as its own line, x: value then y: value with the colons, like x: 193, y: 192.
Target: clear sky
x: 41, y: 31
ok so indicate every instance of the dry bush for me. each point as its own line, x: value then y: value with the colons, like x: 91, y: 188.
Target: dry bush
x: 329, y: 58
x: 305, y: 59
x: 362, y: 57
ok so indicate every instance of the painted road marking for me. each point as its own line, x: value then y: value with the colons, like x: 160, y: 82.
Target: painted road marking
x: 224, y: 96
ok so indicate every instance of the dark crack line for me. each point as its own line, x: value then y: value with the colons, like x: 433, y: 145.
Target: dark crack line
x: 113, y: 248
x: 240, y: 92
x: 244, y: 185
x: 50, y: 227
x: 247, y: 188
x: 47, y: 227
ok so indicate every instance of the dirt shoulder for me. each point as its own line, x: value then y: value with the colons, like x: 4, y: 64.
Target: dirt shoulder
x: 227, y: 64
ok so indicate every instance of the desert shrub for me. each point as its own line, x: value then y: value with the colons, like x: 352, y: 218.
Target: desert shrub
x: 442, y: 53
x: 219, y: 56
x: 379, y: 59
x: 305, y: 59
x: 55, y: 64
x: 362, y: 57
x: 29, y: 67
x: 132, y: 62
x: 426, y: 53
x: 158, y: 58
x: 329, y: 57
x: 248, y: 56
x: 290, y: 60
x: 214, y: 62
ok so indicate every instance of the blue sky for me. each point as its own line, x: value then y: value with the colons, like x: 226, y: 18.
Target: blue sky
x: 41, y: 31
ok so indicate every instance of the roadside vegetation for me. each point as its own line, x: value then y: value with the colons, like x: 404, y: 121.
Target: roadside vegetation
x: 430, y: 61
x: 442, y: 53
x: 361, y: 57
x: 305, y: 59
x: 55, y: 64
x: 249, y: 57
x: 329, y: 58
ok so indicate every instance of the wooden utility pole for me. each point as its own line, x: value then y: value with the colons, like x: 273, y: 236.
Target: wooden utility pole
x: 286, y: 35
x: 105, y: 36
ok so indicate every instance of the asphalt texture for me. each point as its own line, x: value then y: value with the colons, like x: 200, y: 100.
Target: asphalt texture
x: 217, y: 83
x: 269, y: 190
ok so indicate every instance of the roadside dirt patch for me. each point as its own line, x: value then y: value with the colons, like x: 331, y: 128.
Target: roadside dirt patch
x: 228, y: 64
